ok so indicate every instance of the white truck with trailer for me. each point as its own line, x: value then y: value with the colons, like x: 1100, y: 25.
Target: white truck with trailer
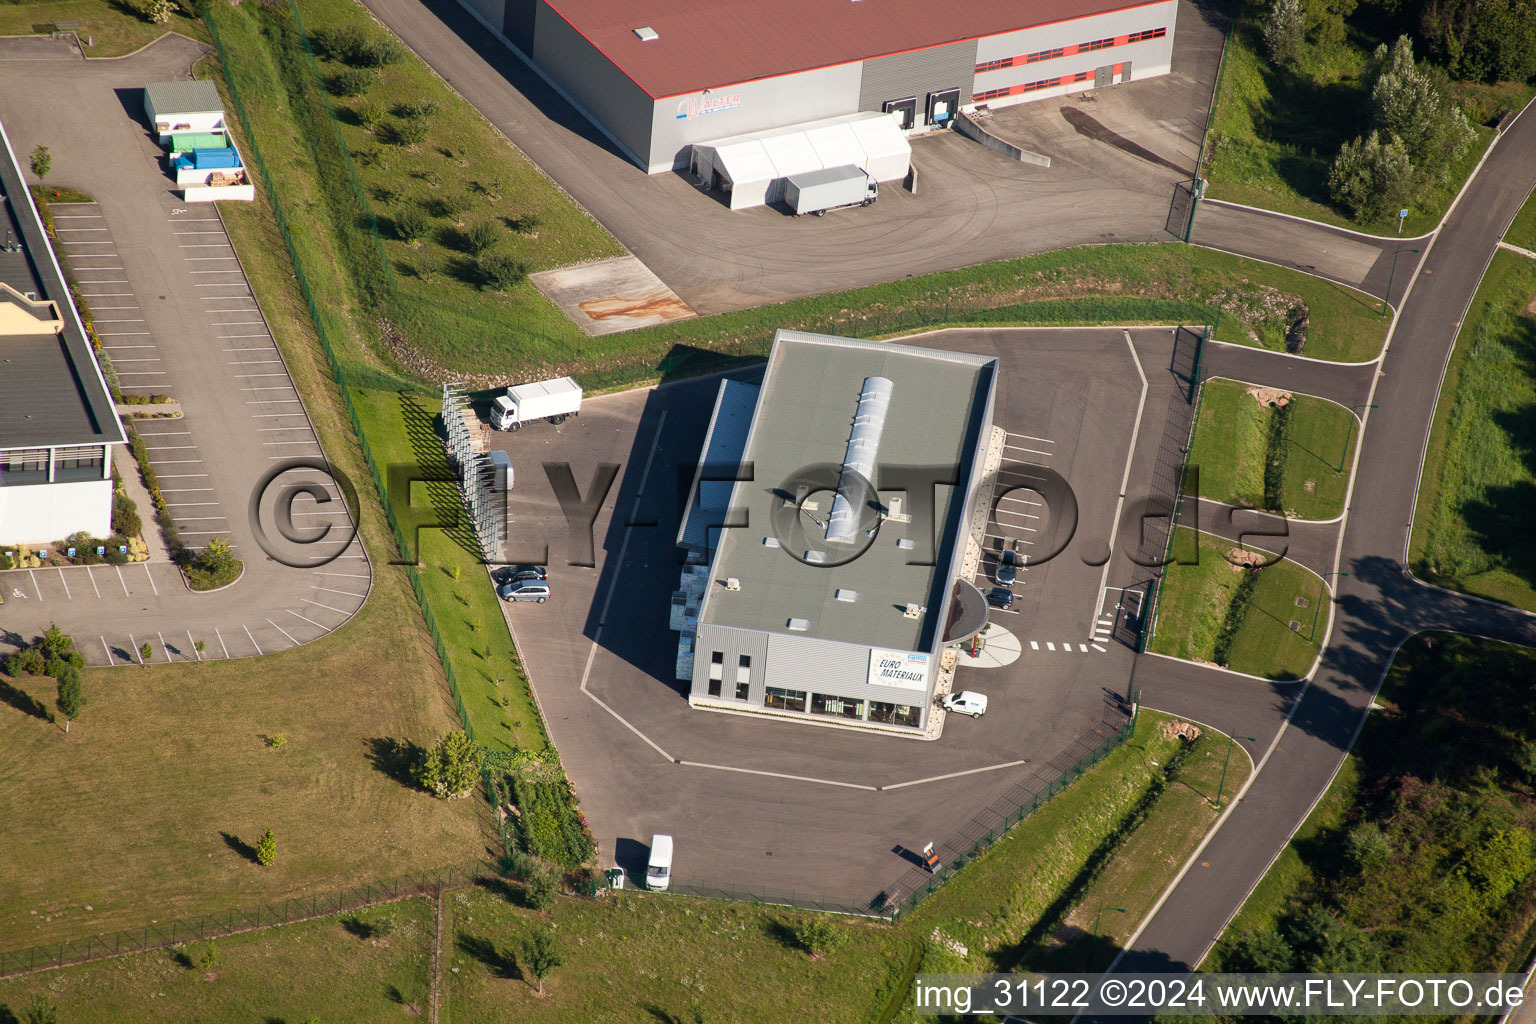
x: 552, y: 400
x: 829, y: 188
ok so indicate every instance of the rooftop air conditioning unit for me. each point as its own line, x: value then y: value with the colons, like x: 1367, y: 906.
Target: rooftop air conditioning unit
x: 732, y: 583
x: 913, y: 611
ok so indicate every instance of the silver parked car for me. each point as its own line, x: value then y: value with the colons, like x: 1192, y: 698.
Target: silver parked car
x: 524, y: 590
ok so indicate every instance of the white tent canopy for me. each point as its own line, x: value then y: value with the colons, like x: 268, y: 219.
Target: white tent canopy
x: 753, y: 166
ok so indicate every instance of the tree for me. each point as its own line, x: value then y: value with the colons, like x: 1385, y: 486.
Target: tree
x: 1367, y: 847
x: 218, y: 558
x: 1284, y: 30
x: 57, y: 644
x: 158, y: 12
x: 266, y: 849
x: 481, y: 237
x: 1261, y: 952
x: 42, y: 1011
x: 145, y: 652
x: 1371, y: 176
x: 349, y: 82
x: 450, y: 769
x: 410, y: 132
x: 1490, y: 40
x: 541, y: 954
x: 71, y: 700
x: 42, y: 161
x: 410, y: 224
x: 817, y: 936
x: 1325, y: 19
x: 500, y: 271
x: 1406, y: 105
x: 540, y: 889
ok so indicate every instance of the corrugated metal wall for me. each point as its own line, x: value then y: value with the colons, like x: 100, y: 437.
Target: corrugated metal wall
x: 917, y: 74
x: 733, y: 643
x: 592, y: 81
x: 517, y: 20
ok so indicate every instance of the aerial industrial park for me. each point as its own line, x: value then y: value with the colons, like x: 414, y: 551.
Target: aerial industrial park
x: 579, y: 511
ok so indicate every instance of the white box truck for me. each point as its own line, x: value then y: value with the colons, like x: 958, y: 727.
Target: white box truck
x: 828, y: 188
x: 551, y: 400
x: 658, y: 871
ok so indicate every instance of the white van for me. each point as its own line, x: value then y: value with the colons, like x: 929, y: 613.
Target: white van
x: 658, y: 873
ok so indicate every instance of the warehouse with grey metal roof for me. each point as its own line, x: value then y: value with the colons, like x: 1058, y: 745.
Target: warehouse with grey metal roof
x: 822, y: 566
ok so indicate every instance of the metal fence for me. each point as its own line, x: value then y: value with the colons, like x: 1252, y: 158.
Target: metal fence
x: 987, y: 828
x: 247, y: 919
x: 1194, y: 399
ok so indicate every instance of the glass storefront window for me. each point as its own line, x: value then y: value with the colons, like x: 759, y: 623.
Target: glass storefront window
x: 784, y: 700
x: 894, y: 714
x: 840, y: 707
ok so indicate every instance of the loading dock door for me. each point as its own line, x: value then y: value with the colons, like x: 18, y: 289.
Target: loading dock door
x: 1103, y: 76
x: 1125, y: 71
x: 904, y: 111
x: 942, y: 106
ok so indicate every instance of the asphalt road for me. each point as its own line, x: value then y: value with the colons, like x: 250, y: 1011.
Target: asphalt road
x: 1378, y: 605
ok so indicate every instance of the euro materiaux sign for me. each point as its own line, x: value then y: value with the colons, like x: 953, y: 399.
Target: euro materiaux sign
x: 903, y: 669
x: 695, y: 106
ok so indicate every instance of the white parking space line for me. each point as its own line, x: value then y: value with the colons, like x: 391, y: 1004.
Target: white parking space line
x: 283, y: 631
x: 344, y: 593
x: 307, y: 619
x: 197, y: 519
x: 124, y: 582
x: 253, y: 639
x: 93, y: 581
x: 163, y: 646
x: 223, y: 646
x: 151, y: 578
x: 193, y: 643
x: 1020, y: 448
x: 231, y: 337
x: 111, y: 661
x: 64, y: 583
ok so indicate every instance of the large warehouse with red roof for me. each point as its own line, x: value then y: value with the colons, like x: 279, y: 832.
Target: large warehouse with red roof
x: 662, y: 77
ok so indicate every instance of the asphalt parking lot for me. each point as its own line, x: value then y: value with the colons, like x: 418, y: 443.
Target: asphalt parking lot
x: 800, y: 806
x: 971, y: 206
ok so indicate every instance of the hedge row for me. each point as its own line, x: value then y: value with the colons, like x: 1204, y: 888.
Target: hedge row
x: 1277, y: 452
x: 1237, y: 611
x: 548, y: 824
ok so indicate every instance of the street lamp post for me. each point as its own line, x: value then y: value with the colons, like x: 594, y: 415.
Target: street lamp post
x: 1392, y: 277
x: 1222, y: 785
x: 1350, y: 436
x: 1093, y: 936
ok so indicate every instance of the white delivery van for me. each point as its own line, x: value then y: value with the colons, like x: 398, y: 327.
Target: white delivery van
x: 658, y: 873
x: 551, y: 400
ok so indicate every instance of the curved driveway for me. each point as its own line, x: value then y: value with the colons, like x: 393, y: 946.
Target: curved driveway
x: 1378, y: 605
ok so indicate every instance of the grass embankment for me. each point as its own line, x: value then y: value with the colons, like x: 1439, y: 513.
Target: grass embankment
x: 1276, y: 130
x: 1522, y: 230
x: 1114, y: 837
x: 1033, y: 900
x: 492, y: 684
x: 1470, y: 527
x: 1091, y: 285
x: 332, y: 969
x: 115, y: 29
x: 1196, y: 611
x: 1419, y: 857
x: 1233, y: 443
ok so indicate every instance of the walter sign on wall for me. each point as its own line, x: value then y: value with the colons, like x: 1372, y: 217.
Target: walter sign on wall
x: 696, y: 106
x: 902, y: 669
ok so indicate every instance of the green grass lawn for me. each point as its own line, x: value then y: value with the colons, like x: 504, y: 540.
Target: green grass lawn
x: 115, y: 30
x: 320, y: 970
x: 1231, y: 442
x: 1275, y: 130
x: 401, y: 429
x: 632, y: 957
x: 1194, y: 599
x: 1479, y: 480
x: 1522, y: 230
x: 1006, y: 906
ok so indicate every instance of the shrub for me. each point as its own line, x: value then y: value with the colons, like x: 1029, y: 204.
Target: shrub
x: 146, y: 652
x: 817, y: 936
x: 41, y: 161
x: 42, y: 1011
x: 450, y: 769
x: 453, y: 205
x: 540, y: 889
x: 416, y: 110
x: 377, y: 52
x: 158, y: 12
x: 1371, y: 176
x: 369, y: 115
x: 125, y: 516
x: 499, y: 271
x: 266, y: 849
x: 338, y: 43
x: 71, y: 699
x: 351, y: 82
x: 411, y: 224
x: 481, y: 236
x: 28, y: 660
x: 409, y: 132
